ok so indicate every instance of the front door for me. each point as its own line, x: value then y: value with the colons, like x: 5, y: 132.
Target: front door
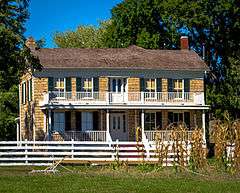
x: 117, y: 90
x: 118, y: 127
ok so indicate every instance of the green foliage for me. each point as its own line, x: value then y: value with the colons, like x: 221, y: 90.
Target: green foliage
x: 14, y: 59
x: 83, y: 37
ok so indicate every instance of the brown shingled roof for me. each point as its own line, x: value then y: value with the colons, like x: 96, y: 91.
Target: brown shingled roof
x: 132, y: 57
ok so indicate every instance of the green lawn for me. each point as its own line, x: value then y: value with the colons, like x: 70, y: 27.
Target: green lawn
x: 105, y: 180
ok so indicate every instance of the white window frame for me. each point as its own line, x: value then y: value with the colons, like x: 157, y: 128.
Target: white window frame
x: 151, y: 94
x: 24, y: 94
x: 60, y: 94
x: 155, y: 121
x: 87, y: 121
x: 30, y: 90
x: 177, y: 89
x: 59, y: 121
x: 89, y: 95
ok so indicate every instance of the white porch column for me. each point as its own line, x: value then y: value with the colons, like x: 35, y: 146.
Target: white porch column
x: 49, y: 121
x: 204, y: 125
x: 18, y: 130
x: 142, y: 122
x: 107, y: 126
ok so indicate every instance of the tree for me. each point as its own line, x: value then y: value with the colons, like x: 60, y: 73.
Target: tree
x: 83, y: 37
x: 215, y: 24
x: 141, y: 22
x: 15, y: 57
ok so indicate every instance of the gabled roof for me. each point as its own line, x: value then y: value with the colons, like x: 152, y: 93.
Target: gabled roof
x: 133, y: 57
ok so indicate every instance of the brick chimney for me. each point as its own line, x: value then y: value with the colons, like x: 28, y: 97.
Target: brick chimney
x: 31, y: 43
x: 184, y: 43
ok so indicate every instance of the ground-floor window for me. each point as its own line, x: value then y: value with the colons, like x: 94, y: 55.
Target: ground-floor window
x: 178, y: 117
x: 153, y: 120
x: 87, y: 121
x: 59, y: 122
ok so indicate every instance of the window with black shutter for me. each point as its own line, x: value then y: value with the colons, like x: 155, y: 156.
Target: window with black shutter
x: 95, y: 120
x: 50, y: 84
x: 78, y: 121
x: 68, y: 120
x: 68, y: 84
x: 79, y: 85
x: 187, y: 119
x: 158, y: 120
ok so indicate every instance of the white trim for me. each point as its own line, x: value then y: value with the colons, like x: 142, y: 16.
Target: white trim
x: 204, y: 126
x: 19, y: 104
x: 24, y: 92
x: 108, y: 126
x: 149, y: 107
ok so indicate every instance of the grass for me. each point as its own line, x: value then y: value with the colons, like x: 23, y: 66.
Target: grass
x: 106, y: 180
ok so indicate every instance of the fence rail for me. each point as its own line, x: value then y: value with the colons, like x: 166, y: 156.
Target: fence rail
x: 46, y: 152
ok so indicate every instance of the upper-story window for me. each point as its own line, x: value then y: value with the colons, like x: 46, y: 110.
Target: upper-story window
x: 59, y: 84
x: 88, y: 85
x: 178, y: 87
x: 150, y: 85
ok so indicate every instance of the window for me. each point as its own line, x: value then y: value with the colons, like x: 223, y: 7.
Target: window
x: 178, y: 87
x: 176, y: 117
x: 87, y: 121
x: 59, y: 84
x: 23, y: 92
x: 59, y: 122
x: 30, y: 90
x: 150, y: 85
x: 88, y: 85
x: 150, y: 121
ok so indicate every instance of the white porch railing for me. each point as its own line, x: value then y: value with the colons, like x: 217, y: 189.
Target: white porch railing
x: 164, y: 135
x: 125, y: 97
x: 85, y: 135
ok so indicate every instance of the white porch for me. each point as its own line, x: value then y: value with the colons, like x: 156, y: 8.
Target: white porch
x: 112, y: 125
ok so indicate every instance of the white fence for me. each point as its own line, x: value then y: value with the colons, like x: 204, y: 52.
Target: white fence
x: 46, y: 152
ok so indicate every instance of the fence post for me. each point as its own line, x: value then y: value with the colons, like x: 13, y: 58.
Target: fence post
x: 117, y: 150
x: 26, y: 151
x: 72, y: 148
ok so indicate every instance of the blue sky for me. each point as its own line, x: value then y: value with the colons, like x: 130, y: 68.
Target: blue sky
x: 49, y: 16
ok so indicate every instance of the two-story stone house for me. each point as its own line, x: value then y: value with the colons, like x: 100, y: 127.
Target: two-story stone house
x: 105, y: 94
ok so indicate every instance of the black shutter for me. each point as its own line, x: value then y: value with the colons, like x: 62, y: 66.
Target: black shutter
x: 96, y: 84
x: 170, y: 85
x: 79, y: 121
x: 78, y: 84
x: 170, y: 117
x: 95, y: 120
x: 159, y: 120
x: 159, y: 85
x: 68, y: 84
x: 186, y: 85
x: 52, y: 121
x: 50, y: 84
x: 187, y: 119
x: 68, y: 120
x: 142, y: 84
